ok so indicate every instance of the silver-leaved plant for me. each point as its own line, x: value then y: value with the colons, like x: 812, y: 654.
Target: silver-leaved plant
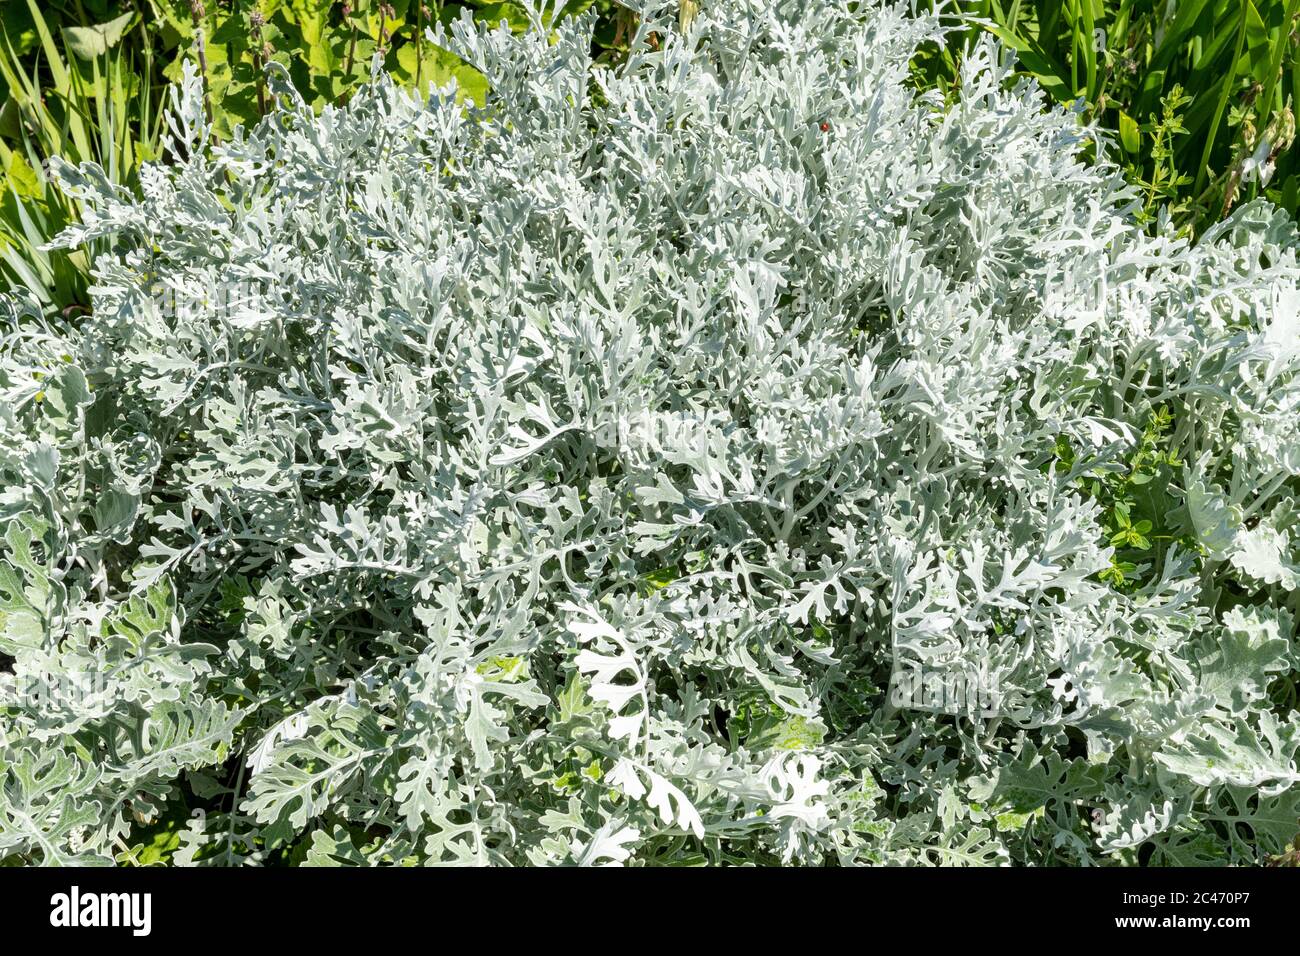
x: 698, y: 458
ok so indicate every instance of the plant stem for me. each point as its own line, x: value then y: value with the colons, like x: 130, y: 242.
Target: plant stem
x: 197, y: 12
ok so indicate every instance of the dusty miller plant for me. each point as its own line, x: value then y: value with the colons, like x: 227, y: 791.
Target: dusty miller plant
x: 585, y: 476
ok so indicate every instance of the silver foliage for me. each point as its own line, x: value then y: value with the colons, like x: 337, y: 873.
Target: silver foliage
x: 565, y: 480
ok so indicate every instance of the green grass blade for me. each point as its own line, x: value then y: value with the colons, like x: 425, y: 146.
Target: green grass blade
x: 1221, y: 107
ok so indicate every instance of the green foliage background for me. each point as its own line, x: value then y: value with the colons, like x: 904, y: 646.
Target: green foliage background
x: 88, y: 79
x: 1198, y: 95
x: 1191, y: 90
